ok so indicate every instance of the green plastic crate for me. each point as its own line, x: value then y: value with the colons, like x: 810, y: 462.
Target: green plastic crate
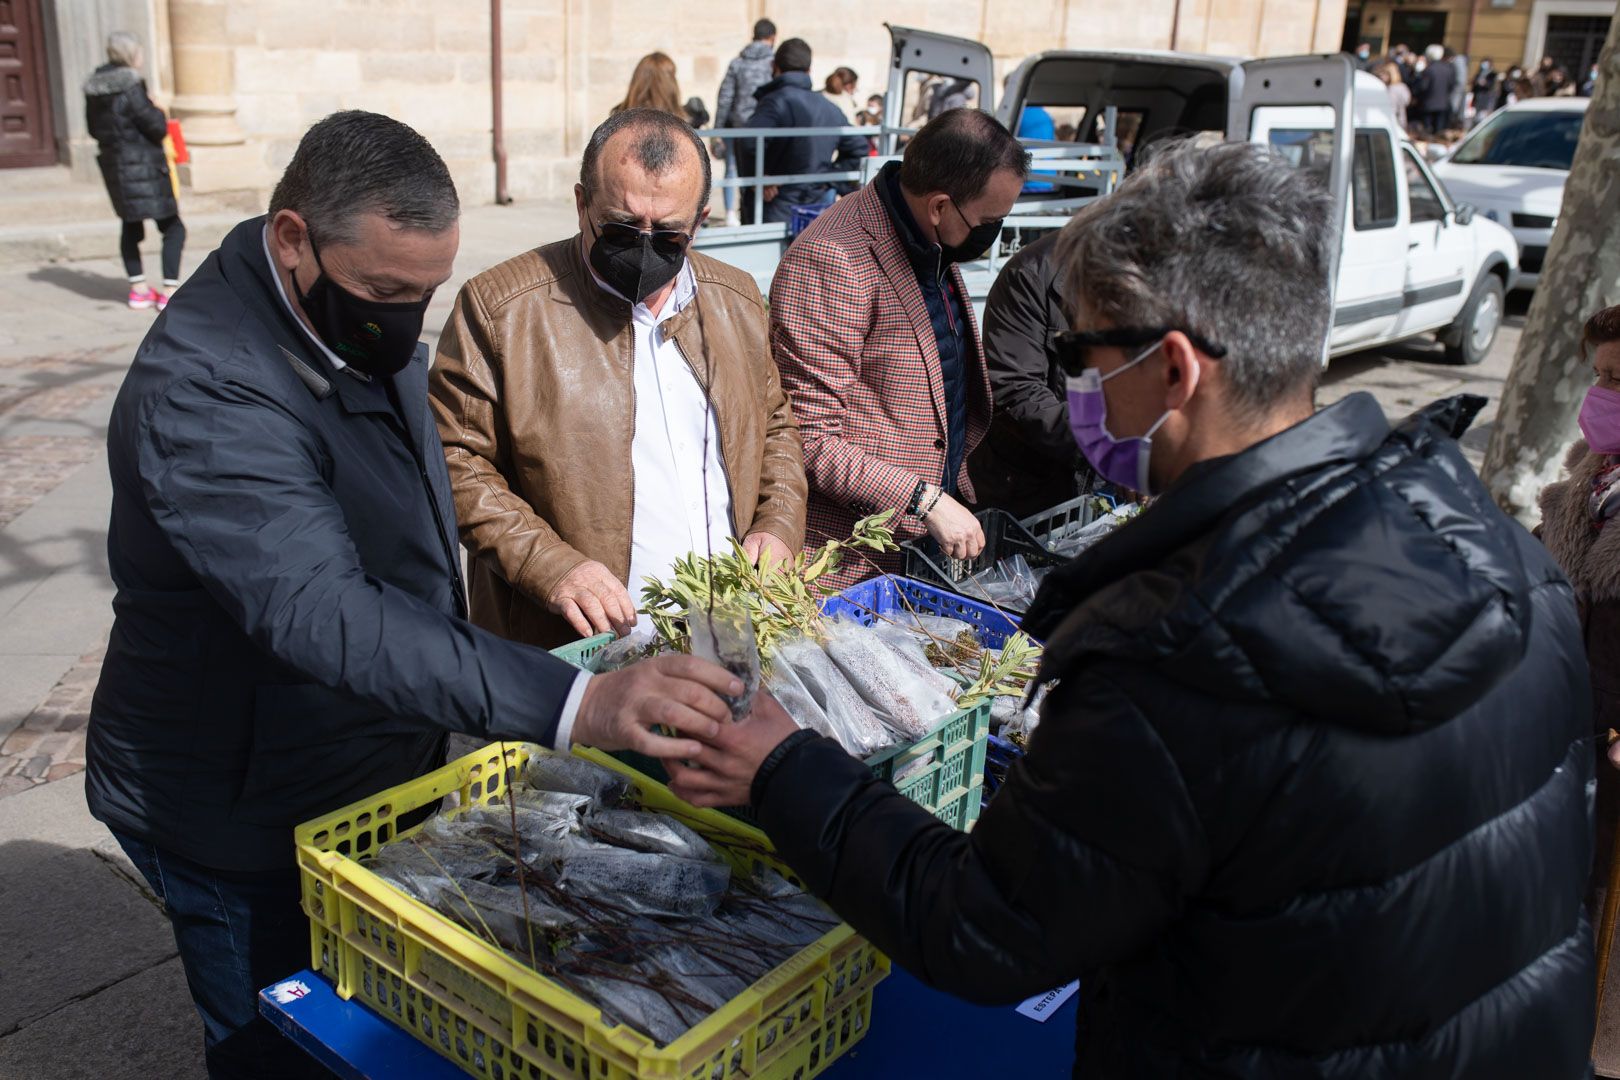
x: 943, y: 771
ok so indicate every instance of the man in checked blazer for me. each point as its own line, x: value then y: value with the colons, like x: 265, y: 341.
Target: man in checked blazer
x: 874, y: 335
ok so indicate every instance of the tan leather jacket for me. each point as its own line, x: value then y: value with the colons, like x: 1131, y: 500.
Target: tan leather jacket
x: 535, y: 402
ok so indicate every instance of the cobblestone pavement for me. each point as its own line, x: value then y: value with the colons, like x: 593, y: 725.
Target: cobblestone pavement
x: 49, y: 745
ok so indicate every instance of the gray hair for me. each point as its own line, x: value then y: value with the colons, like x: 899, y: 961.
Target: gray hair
x: 657, y: 148
x: 355, y: 163
x: 1229, y: 242
x: 123, y: 48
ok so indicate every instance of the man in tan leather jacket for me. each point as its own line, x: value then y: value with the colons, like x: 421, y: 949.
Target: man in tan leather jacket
x: 608, y: 403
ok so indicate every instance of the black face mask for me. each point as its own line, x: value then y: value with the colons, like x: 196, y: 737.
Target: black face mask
x: 372, y: 337
x: 635, y: 263
x: 977, y: 242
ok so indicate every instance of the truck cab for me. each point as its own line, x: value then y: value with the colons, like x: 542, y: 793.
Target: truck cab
x: 1412, y: 261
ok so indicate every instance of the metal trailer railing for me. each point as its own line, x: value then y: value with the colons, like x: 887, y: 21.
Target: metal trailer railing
x: 1090, y: 170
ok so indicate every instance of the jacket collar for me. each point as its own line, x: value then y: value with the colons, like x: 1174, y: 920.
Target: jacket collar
x: 1347, y: 431
x: 798, y: 80
x: 925, y: 255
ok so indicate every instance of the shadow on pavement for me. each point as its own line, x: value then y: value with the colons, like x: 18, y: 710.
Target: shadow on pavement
x: 85, y: 283
x: 93, y: 987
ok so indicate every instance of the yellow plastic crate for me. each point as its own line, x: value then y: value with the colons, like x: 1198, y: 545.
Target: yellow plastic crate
x: 500, y: 1020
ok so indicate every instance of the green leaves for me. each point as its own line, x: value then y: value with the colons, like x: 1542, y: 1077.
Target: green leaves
x: 781, y: 598
x: 1006, y: 675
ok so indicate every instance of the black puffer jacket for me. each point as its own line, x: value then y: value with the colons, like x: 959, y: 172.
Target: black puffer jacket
x: 129, y: 131
x: 1311, y: 799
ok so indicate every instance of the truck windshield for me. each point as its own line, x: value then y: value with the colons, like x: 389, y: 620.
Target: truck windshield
x: 1528, y: 138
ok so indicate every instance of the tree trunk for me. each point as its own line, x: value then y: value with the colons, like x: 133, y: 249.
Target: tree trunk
x: 1581, y: 275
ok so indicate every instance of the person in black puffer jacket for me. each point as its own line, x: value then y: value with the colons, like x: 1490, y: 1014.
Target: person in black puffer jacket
x: 1310, y: 794
x: 129, y: 132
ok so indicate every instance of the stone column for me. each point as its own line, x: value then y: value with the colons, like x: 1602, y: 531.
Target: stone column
x: 205, y: 97
x: 204, y: 73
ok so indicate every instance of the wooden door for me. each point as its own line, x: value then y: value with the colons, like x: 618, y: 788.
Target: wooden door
x: 26, y: 133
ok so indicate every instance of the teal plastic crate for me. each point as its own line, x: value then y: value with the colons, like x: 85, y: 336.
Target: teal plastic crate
x: 943, y: 771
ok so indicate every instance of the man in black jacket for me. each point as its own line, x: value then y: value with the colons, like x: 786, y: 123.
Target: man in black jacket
x: 1028, y: 461
x: 1309, y: 794
x: 290, y: 628
x: 789, y: 101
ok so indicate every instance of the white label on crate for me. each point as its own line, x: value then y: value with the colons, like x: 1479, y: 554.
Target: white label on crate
x: 285, y: 993
x: 1042, y: 1006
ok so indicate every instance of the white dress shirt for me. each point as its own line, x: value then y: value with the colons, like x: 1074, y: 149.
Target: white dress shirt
x: 570, y: 709
x: 667, y: 449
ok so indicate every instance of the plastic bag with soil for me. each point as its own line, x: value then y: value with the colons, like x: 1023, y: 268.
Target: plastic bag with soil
x: 856, y: 727
x: 726, y: 637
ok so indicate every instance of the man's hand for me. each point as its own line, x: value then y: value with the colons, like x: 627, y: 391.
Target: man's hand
x: 621, y: 708
x: 593, y: 601
x: 717, y: 148
x: 955, y: 528
x: 763, y: 546
x: 770, y: 193
x: 722, y: 772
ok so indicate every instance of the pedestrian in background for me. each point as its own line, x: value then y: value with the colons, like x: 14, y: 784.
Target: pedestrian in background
x: 1400, y: 95
x: 840, y: 90
x: 129, y: 132
x: 653, y: 86
x: 873, y: 330
x: 788, y: 101
x: 1432, y: 95
x: 1459, y: 87
x: 1486, y: 88
x: 734, y: 105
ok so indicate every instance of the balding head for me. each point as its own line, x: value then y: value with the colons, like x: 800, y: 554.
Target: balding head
x: 645, y: 148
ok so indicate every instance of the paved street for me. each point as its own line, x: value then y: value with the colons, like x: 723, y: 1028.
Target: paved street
x: 91, y: 984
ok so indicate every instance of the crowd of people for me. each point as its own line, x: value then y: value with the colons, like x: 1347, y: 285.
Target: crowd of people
x: 1309, y: 793
x: 1434, y: 97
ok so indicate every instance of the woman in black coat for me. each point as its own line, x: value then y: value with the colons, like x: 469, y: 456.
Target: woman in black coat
x: 129, y: 131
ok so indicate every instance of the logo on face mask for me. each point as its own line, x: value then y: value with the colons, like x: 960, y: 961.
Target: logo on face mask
x: 376, y: 338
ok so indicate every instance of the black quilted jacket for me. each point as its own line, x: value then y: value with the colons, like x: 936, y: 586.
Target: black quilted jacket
x: 1310, y: 799
x: 129, y: 131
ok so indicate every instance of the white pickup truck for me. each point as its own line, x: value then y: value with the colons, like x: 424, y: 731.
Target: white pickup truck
x: 1412, y: 260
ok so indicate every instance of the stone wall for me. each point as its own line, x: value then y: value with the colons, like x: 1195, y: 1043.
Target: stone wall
x: 426, y: 62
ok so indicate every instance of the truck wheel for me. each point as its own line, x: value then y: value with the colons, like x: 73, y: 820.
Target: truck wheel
x: 1470, y: 338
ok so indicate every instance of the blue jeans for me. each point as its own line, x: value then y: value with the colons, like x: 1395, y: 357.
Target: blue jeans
x: 236, y: 933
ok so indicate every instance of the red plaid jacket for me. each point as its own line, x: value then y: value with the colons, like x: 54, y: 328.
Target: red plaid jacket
x: 851, y: 335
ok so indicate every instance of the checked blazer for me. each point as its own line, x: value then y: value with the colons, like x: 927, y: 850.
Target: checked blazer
x: 853, y: 340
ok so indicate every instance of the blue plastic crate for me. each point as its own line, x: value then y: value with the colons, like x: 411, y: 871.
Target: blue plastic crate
x: 887, y: 594
x: 802, y: 216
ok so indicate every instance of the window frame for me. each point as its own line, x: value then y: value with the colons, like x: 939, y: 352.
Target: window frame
x: 1429, y: 181
x: 1373, y: 137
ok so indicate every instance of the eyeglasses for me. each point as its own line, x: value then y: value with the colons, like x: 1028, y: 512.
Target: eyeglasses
x: 664, y: 241
x: 1073, y: 346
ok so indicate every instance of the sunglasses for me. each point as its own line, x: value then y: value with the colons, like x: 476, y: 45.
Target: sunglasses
x: 664, y: 241
x: 1073, y: 347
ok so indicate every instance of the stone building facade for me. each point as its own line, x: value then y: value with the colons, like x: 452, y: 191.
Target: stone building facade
x: 246, y: 77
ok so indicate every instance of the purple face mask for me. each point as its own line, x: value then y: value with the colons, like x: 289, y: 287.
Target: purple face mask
x: 1122, y: 462
x: 1600, y: 420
